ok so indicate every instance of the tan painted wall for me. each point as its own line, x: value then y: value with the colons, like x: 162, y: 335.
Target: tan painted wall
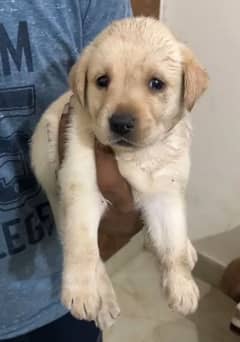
x: 212, y: 29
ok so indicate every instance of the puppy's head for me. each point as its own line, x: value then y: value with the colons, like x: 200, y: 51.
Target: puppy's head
x: 135, y: 80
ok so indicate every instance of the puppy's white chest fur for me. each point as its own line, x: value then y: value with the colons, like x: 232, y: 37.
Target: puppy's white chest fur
x: 161, y: 167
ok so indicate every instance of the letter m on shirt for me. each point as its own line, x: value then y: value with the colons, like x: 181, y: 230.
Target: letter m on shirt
x: 15, y: 53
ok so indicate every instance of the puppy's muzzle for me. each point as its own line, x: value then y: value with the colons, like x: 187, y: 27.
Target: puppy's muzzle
x: 122, y: 127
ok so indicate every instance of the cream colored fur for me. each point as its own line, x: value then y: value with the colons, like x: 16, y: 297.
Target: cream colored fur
x: 156, y: 166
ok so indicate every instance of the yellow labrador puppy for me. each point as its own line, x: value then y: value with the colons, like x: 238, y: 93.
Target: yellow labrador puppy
x: 131, y: 88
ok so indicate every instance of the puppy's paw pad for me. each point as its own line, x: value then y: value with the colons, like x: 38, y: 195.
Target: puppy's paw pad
x: 182, y: 292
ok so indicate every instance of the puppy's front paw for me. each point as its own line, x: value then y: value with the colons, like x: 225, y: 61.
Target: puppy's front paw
x: 90, y: 296
x: 109, y: 308
x: 181, y: 290
x: 192, y: 256
x: 79, y: 295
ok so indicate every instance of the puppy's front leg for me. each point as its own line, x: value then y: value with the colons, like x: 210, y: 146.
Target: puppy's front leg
x: 80, y: 212
x: 164, y: 216
x: 86, y: 290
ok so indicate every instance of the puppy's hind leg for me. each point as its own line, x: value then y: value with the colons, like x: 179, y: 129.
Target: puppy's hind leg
x: 109, y: 309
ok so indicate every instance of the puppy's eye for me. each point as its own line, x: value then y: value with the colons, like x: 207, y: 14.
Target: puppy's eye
x: 103, y: 81
x: 156, y: 84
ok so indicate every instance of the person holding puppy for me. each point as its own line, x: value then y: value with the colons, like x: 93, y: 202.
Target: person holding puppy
x: 40, y: 41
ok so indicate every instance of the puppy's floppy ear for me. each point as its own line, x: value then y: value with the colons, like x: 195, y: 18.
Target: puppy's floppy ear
x: 195, y: 78
x: 78, y: 77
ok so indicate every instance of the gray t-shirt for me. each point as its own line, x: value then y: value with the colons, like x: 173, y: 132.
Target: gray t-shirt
x: 39, y: 41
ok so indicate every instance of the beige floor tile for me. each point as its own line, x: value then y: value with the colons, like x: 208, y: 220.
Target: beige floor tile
x: 213, y: 317
x: 145, y: 316
x: 181, y: 330
x: 138, y: 290
x: 129, y: 329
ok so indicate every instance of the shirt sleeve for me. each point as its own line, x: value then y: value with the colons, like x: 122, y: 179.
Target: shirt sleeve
x: 100, y: 13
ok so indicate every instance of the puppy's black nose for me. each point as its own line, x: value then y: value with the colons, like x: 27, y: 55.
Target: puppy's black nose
x: 122, y: 123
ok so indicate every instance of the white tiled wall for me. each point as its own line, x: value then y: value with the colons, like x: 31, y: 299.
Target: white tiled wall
x: 212, y: 29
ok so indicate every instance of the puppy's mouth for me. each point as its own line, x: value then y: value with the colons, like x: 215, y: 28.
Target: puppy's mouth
x: 123, y: 142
